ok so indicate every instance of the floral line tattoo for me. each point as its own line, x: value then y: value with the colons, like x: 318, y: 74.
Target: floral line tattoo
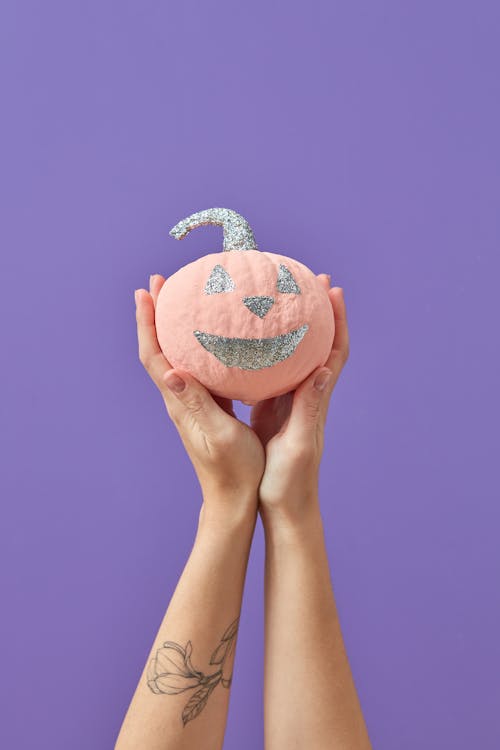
x: 171, y: 672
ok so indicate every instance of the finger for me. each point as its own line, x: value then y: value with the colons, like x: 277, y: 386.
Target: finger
x: 340, y: 348
x: 156, y: 282
x: 196, y: 400
x: 325, y: 280
x: 309, y: 404
x: 150, y: 353
x: 311, y: 399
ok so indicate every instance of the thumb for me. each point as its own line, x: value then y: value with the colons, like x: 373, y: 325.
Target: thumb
x: 309, y: 402
x: 193, y: 398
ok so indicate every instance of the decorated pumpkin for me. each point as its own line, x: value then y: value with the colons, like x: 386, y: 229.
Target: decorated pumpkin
x: 247, y: 324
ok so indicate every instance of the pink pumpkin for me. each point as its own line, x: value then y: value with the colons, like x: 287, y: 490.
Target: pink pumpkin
x: 247, y: 324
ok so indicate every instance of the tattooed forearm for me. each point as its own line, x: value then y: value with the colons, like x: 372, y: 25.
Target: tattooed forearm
x: 171, y: 671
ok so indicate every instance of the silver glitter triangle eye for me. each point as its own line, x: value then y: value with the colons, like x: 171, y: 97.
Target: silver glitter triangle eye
x: 219, y: 281
x: 286, y: 283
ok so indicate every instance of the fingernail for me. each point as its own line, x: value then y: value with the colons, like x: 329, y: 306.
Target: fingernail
x: 136, y: 292
x: 322, y: 380
x: 175, y: 383
x: 151, y: 277
x: 329, y: 278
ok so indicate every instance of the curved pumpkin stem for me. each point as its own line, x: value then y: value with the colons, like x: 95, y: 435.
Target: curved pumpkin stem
x: 237, y: 232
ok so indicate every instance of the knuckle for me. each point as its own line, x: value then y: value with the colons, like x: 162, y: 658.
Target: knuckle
x: 195, y: 404
x: 312, y: 410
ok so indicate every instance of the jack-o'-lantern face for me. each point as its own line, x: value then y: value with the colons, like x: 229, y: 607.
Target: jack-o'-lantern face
x: 247, y: 324
x: 252, y: 353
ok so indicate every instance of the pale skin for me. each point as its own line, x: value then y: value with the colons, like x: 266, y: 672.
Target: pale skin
x: 271, y: 468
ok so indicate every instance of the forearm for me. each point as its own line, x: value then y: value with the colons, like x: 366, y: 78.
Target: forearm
x: 181, y: 703
x: 309, y: 695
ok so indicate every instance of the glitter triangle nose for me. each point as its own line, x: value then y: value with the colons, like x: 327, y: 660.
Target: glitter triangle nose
x: 259, y: 305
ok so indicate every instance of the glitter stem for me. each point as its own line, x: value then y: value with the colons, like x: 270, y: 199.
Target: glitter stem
x: 237, y: 232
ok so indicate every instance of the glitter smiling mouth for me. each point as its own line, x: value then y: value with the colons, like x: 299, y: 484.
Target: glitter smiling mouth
x: 252, y: 354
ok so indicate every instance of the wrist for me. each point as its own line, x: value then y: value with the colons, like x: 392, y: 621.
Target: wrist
x: 290, y: 521
x: 230, y: 510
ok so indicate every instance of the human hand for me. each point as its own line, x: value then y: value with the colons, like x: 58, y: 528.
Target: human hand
x: 291, y: 426
x: 226, y: 454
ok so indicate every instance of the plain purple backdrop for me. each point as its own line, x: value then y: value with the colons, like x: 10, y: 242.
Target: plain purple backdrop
x: 361, y: 138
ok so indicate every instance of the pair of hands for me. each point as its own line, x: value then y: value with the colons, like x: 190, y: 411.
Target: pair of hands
x: 275, y: 460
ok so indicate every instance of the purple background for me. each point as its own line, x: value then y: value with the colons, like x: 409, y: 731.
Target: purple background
x: 362, y: 139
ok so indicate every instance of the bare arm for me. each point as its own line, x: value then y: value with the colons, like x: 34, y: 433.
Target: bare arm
x: 321, y: 710
x: 182, y: 696
x: 310, y: 700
